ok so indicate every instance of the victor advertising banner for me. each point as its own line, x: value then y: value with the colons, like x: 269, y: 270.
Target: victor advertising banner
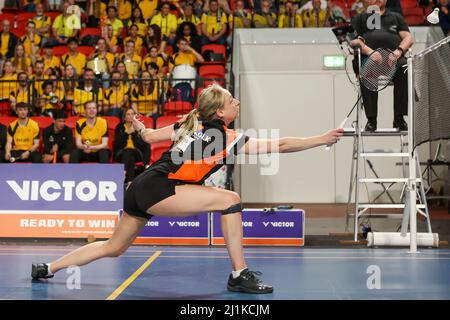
x: 266, y: 227
x: 60, y: 200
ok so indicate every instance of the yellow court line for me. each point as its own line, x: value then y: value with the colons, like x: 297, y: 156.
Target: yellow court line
x: 133, y: 277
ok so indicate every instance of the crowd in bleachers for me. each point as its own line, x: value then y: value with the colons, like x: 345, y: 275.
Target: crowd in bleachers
x: 127, y: 56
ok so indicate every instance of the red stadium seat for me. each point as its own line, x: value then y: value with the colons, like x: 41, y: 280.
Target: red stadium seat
x: 7, y: 120
x: 86, y: 50
x: 148, y: 122
x: 7, y: 16
x: 157, y: 149
x: 216, y: 48
x: 213, y: 71
x: 173, y: 108
x: 412, y: 11
x: 43, y: 122
x: 90, y: 32
x: 112, y: 124
x: 415, y: 20
x: 25, y: 16
x: 71, y: 122
x: 5, y: 108
x: 59, y: 51
x: 18, y: 32
x: 165, y: 121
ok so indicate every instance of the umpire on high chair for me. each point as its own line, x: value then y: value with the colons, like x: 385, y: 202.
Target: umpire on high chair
x: 392, y: 33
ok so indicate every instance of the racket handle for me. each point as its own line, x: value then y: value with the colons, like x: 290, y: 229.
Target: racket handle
x: 328, y: 147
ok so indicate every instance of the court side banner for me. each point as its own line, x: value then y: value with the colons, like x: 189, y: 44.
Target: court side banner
x: 60, y: 200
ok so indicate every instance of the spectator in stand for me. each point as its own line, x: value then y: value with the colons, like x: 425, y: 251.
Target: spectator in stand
x: 165, y: 20
x: 148, y: 8
x: 3, y: 135
x: 73, y: 57
x: 132, y: 61
x: 29, y: 6
x: 70, y: 78
x: 188, y: 31
x: 265, y: 18
x: 129, y: 147
x: 120, y: 66
x: 240, y: 17
x: 185, y: 55
x: 57, y: 139
x: 154, y: 57
x: 49, y: 60
x: 9, y: 81
x: 62, y: 29
x: 113, y: 42
x: 43, y: 23
x: 91, y: 137
x: 444, y: 16
x: 288, y: 17
x: 114, y: 21
x: 136, y: 38
x: 104, y: 57
x: 144, y: 97
x: 31, y: 40
x: 89, y: 90
x: 21, y: 62
x: 316, y: 17
x: 155, y: 38
x: 116, y: 98
x: 188, y: 16
x: 96, y: 12
x: 24, y: 93
x: 124, y: 7
x: 38, y: 76
x: 23, y: 138
x: 214, y: 25
x: 50, y: 99
x: 138, y: 19
x: 223, y: 6
x: 8, y: 41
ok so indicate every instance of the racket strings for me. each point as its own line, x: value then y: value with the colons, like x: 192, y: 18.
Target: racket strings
x: 378, y: 69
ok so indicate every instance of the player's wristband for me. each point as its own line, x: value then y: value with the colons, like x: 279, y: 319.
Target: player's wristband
x: 401, y: 49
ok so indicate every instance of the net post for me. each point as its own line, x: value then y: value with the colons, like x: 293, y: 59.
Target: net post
x: 412, y: 162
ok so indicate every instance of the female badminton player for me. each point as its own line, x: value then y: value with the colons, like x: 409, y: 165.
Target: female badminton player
x: 172, y: 186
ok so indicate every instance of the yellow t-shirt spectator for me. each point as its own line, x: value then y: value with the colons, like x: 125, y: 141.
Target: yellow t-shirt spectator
x: 148, y: 7
x: 130, y: 68
x: 58, y: 93
x: 26, y: 41
x: 61, y: 24
x: 117, y: 24
x: 142, y: 27
x: 196, y: 21
x: 313, y: 20
x: 262, y: 19
x: 147, y: 102
x: 23, y: 136
x: 214, y: 25
x: 43, y: 21
x: 284, y: 22
x: 159, y: 62
x: 27, y: 64
x: 5, y: 41
x: 238, y: 22
x: 22, y: 95
x: 92, y: 134
x: 54, y: 62
x: 182, y: 58
x: 78, y: 61
x: 7, y: 87
x: 167, y: 23
x: 123, y: 8
x: 113, y: 96
x: 137, y: 43
x: 80, y: 97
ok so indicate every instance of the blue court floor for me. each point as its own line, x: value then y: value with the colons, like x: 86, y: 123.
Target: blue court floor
x: 201, y: 273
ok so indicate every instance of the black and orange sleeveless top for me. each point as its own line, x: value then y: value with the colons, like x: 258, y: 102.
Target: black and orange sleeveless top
x: 197, y: 157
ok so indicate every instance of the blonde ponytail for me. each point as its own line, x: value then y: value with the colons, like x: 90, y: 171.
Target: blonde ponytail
x: 188, y: 127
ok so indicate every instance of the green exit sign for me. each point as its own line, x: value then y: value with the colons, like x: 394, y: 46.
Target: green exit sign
x: 334, y: 62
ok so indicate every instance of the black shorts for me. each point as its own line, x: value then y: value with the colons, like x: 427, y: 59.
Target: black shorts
x: 146, y: 190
